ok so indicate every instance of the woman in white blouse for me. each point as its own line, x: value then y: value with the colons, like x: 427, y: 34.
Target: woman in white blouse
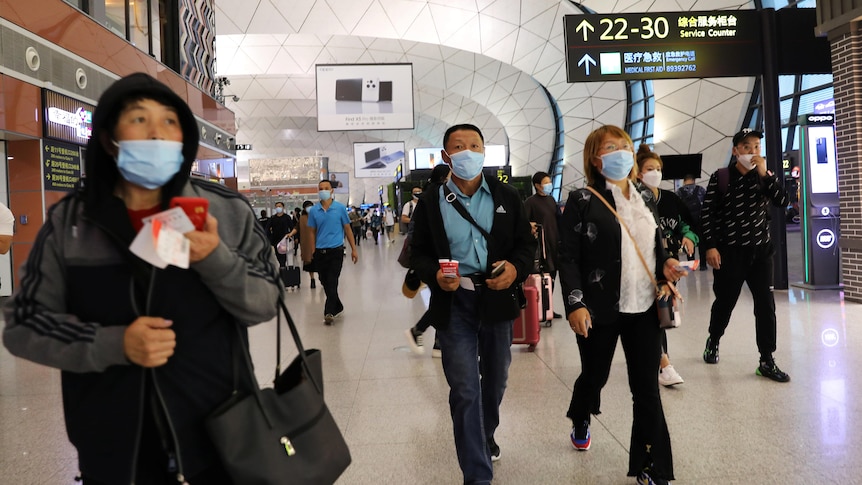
x: 609, y: 295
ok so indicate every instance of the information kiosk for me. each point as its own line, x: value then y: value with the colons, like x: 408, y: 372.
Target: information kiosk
x: 819, y: 202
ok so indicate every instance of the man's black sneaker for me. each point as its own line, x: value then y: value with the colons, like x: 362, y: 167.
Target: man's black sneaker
x: 495, y: 450
x: 710, y: 353
x: 770, y: 370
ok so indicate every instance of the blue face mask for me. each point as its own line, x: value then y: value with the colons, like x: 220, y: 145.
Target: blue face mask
x: 617, y: 165
x: 324, y: 194
x: 467, y: 164
x: 279, y: 210
x: 547, y: 188
x: 149, y: 163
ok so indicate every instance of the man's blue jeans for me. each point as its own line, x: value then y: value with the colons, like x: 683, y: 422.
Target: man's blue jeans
x: 476, y: 358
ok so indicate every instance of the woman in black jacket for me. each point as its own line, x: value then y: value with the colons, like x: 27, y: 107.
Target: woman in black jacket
x: 609, y: 294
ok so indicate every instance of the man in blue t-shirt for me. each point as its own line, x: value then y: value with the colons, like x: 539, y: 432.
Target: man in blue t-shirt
x: 330, y: 224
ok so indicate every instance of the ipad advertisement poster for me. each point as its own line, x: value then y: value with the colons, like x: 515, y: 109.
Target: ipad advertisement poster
x: 379, y: 159
x: 364, y: 97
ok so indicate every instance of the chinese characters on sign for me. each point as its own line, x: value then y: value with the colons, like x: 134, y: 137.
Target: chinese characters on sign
x: 62, y: 162
x: 615, y: 47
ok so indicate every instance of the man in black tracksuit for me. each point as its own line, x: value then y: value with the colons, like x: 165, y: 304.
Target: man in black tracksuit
x: 735, y: 221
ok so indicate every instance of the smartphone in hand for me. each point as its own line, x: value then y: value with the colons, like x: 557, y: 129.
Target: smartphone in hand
x: 498, y: 270
x: 195, y: 208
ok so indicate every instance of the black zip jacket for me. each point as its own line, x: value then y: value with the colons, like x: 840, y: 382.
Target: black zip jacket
x: 590, y: 245
x: 513, y: 241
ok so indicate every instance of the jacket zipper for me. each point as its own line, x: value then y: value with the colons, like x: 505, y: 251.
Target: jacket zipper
x: 138, y: 432
x: 180, y: 476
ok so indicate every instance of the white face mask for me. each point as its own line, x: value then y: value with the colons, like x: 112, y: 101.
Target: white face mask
x: 652, y: 178
x: 745, y: 160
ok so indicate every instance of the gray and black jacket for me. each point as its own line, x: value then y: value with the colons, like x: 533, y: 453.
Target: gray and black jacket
x: 81, y: 287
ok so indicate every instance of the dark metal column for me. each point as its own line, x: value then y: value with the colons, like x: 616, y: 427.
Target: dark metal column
x: 772, y: 132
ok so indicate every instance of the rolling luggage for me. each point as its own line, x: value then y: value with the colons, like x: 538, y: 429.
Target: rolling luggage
x: 290, y: 273
x: 526, y: 326
x: 290, y: 277
x: 544, y: 284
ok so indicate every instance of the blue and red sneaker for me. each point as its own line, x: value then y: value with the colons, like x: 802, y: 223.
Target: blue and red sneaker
x: 581, y: 436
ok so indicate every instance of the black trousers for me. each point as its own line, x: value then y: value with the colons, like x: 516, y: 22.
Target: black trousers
x: 641, y: 340
x: 751, y: 265
x: 424, y: 322
x: 328, y: 263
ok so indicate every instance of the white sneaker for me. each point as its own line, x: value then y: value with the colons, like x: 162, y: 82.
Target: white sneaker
x: 668, y: 376
x: 415, y: 341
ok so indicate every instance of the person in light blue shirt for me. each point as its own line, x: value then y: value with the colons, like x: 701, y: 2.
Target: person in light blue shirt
x: 466, y: 242
x: 473, y: 312
x: 330, y: 224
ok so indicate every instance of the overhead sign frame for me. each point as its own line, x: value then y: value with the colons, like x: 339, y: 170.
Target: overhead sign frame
x: 663, y: 45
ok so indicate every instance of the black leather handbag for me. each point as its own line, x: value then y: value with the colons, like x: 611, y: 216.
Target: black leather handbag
x: 279, y: 435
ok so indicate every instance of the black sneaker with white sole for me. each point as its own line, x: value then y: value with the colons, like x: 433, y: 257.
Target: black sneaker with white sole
x: 494, y: 448
x: 415, y: 340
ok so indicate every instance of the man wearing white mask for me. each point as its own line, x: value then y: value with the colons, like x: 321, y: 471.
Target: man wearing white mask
x: 480, y: 223
x: 542, y: 211
x: 735, y: 222
x: 330, y: 225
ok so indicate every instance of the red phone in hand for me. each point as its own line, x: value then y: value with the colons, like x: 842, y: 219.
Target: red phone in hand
x: 195, y: 208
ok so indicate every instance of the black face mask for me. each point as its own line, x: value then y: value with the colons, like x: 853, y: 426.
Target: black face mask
x: 416, y: 195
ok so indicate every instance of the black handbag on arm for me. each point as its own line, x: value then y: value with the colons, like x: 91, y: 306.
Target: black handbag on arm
x: 279, y: 435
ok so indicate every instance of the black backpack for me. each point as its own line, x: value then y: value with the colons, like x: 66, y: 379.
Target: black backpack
x: 693, y: 200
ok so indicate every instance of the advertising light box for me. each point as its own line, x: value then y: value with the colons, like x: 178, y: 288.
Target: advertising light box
x: 364, y: 97
x: 377, y: 159
x: 662, y: 45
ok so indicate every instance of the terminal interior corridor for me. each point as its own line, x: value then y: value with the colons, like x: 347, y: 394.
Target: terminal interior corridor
x: 727, y: 425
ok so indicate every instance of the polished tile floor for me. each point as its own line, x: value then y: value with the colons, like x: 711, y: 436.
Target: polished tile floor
x: 727, y: 425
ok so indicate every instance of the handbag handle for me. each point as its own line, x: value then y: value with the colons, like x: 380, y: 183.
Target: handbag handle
x: 296, y: 340
x: 245, y: 355
x: 624, y: 226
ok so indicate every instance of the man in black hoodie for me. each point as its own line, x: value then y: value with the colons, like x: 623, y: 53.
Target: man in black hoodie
x: 145, y: 352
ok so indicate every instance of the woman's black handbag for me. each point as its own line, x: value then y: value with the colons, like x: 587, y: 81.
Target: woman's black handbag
x: 279, y: 435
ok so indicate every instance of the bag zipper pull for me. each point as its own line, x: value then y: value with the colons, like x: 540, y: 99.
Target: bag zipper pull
x: 288, y: 446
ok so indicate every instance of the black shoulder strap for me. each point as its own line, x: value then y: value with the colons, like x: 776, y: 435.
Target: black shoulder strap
x: 723, y: 180
x: 453, y: 199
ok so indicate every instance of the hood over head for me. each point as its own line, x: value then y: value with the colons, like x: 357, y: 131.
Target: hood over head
x: 101, y: 167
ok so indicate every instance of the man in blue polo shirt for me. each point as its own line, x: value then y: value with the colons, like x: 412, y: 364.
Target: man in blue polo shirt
x: 330, y: 224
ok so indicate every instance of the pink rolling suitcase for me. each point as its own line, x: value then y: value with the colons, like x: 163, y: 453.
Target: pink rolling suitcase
x: 526, y: 326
